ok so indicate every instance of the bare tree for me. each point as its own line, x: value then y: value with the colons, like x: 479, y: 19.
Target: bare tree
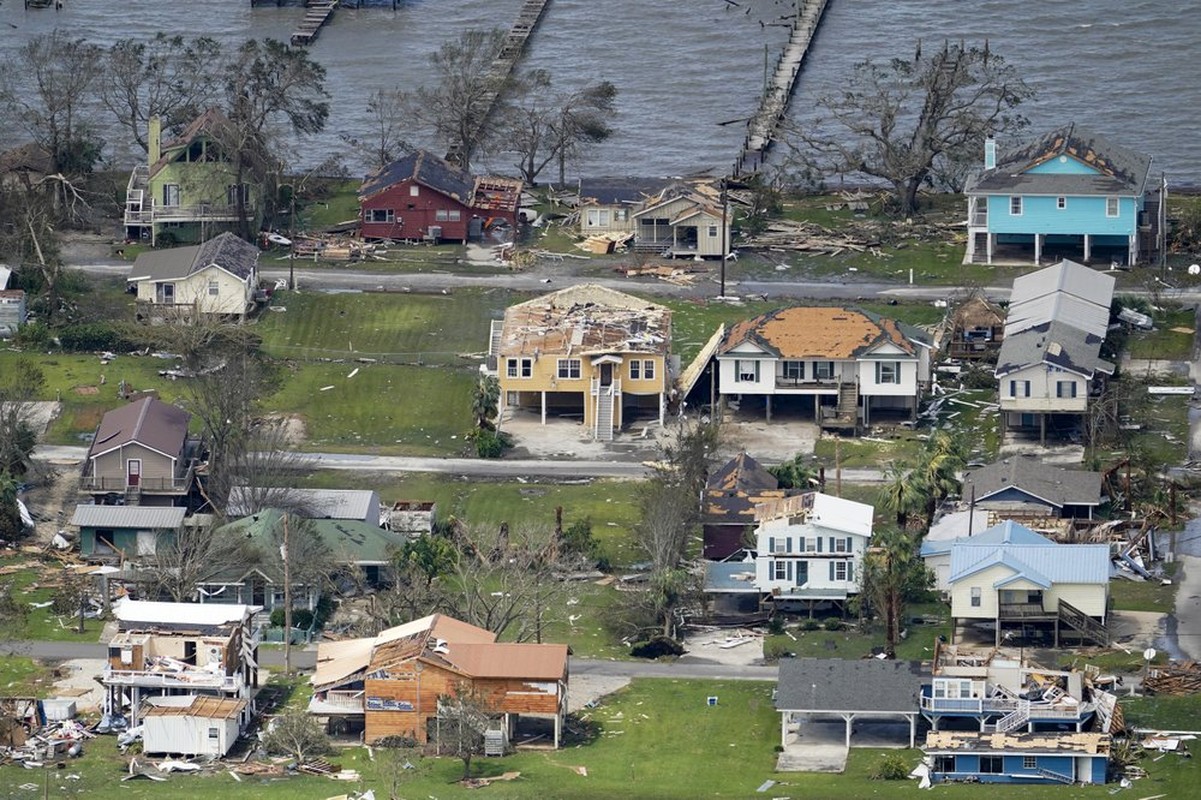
x: 296, y: 733
x: 20, y: 386
x: 543, y: 126
x: 48, y: 88
x: 910, y: 120
x: 262, y: 469
x: 462, y: 722
x: 188, y: 558
x: 167, y: 76
x: 388, y: 125
x: 459, y: 108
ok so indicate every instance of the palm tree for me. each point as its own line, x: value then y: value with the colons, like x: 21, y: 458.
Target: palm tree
x: 485, y: 402
x: 893, y: 573
x: 901, y: 493
x: 938, y: 472
x: 796, y: 473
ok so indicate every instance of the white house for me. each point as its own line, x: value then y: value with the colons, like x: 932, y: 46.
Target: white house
x: 676, y: 219
x: 1012, y: 576
x: 1050, y: 361
x: 218, y: 277
x: 191, y: 725
x: 841, y: 366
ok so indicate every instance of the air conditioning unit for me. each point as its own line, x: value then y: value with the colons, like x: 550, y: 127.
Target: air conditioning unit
x: 434, y: 232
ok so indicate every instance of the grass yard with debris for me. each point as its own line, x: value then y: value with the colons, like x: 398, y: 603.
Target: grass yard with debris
x: 22, y: 677
x: 1172, y: 338
x: 35, y: 584
x: 1146, y: 595
x: 853, y: 642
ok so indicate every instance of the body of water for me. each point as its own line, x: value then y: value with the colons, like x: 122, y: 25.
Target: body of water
x: 682, y: 67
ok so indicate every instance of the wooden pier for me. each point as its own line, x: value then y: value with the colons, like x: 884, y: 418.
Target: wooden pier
x: 762, y: 128
x: 317, y: 13
x: 506, y: 60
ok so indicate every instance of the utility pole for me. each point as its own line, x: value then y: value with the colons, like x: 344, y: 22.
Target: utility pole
x: 725, y: 183
x: 287, y: 602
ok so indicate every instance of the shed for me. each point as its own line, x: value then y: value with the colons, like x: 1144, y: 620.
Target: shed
x: 191, y: 725
x: 128, y: 531
x: 868, y: 688
x: 12, y: 308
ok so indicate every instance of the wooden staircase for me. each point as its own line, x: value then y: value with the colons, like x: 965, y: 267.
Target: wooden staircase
x: 604, y: 414
x: 1083, y: 624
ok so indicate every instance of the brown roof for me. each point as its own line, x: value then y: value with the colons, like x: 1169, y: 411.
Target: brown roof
x: 734, y: 490
x: 203, y: 707
x: 149, y: 422
x: 414, y: 638
x: 817, y: 332
x: 583, y: 320
x: 541, y: 662
x: 210, y: 120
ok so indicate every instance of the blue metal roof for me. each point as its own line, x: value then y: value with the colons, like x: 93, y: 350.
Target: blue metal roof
x: 1042, y: 564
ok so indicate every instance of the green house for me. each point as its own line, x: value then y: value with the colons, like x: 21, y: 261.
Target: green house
x: 125, y: 532
x: 187, y: 191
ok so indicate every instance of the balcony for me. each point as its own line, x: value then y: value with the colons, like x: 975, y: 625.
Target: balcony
x: 337, y: 701
x: 141, y: 208
x: 978, y: 219
x: 830, y: 383
x: 147, y: 484
x: 1023, y: 611
x: 1000, y: 705
x: 184, y: 679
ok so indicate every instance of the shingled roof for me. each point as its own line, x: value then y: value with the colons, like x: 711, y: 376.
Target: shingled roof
x: 210, y: 121
x: 585, y: 319
x: 862, y: 685
x: 1054, y: 485
x: 1056, y: 344
x: 822, y: 332
x: 425, y: 168
x: 1119, y: 170
x: 149, y: 422
x: 226, y: 251
x: 734, y: 490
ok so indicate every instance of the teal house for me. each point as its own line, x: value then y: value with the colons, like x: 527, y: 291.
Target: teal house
x: 123, y: 533
x: 1068, y: 194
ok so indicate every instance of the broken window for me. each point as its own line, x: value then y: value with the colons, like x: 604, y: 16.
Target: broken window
x: 944, y: 763
x: 746, y: 371
x: 598, y: 217
x: 104, y: 542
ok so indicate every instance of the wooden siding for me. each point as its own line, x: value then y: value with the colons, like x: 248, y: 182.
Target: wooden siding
x: 1082, y: 214
x: 234, y: 296
x: 414, y: 214
x: 112, y: 465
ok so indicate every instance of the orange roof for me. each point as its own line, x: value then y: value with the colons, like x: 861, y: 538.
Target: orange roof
x: 542, y: 662
x: 816, y: 332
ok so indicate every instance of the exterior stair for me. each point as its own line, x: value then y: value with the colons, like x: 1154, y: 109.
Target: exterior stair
x: 1055, y: 776
x: 848, y: 400
x: 1014, y: 719
x: 1083, y: 624
x: 604, y: 414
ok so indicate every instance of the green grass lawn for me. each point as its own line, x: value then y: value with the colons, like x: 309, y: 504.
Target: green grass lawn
x: 1164, y: 342
x: 386, y: 409
x: 30, y: 586
x: 611, y: 505
x: 1145, y: 595
x: 895, y: 445
x: 855, y: 642
x: 22, y: 677
x: 965, y: 416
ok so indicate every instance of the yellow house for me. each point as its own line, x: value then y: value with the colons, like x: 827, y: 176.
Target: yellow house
x: 216, y: 278
x: 585, y: 352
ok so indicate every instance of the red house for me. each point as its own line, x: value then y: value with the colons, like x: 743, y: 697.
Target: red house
x: 423, y: 198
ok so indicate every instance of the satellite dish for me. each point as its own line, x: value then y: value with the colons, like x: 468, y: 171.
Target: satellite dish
x: 1149, y: 654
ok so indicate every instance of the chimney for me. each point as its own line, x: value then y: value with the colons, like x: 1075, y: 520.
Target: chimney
x: 990, y: 153
x: 154, y: 135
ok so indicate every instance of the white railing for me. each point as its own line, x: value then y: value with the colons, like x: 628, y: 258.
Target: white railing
x: 340, y: 699
x: 195, y: 678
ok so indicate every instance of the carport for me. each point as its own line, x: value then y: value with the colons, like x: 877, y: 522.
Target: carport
x: 850, y: 690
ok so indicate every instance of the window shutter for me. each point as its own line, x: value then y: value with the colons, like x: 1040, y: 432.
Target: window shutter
x: 877, y: 364
x: 1013, y: 388
x: 756, y: 370
x: 849, y: 544
x: 788, y: 544
x: 771, y: 544
x: 800, y: 546
x: 788, y: 566
x: 1027, y: 394
x: 896, y: 372
x: 819, y: 544
x: 833, y: 549
x: 831, y: 570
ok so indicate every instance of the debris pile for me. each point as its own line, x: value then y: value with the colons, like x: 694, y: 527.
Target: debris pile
x: 25, y: 741
x: 604, y: 243
x: 1174, y: 679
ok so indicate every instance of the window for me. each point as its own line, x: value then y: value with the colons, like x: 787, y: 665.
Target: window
x: 1015, y: 206
x: 840, y: 544
x: 944, y: 764
x: 414, y: 191
x: 712, y: 231
x: 598, y: 217
x: 823, y: 370
x: 888, y: 372
x: 214, y: 733
x: 648, y: 370
x: 381, y: 215
x: 779, y: 545
x: 1111, y: 207
x: 1019, y: 388
x: 1061, y: 203
x: 441, y: 215
x: 456, y: 215
x: 794, y: 370
x: 976, y: 595
x: 1065, y: 389
x: 840, y: 570
x: 171, y: 194
x: 519, y: 368
x: 214, y: 288
x: 746, y: 371
x: 780, y: 570
x: 992, y: 765
x: 635, y: 370
x: 1029, y: 762
x: 619, y: 215
x: 569, y: 368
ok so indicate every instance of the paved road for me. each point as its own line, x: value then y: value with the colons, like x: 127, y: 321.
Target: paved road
x: 479, y: 468
x: 306, y: 659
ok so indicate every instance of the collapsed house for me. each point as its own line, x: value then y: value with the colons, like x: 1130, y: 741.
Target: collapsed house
x: 728, y: 505
x: 198, y: 661
x: 395, y: 684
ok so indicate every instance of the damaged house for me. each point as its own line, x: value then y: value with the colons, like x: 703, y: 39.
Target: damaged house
x: 586, y: 352
x: 393, y: 684
x: 192, y: 668
x: 676, y: 219
x: 728, y: 505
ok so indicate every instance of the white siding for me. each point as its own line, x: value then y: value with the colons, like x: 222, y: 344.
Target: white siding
x: 906, y: 387
x: 1044, y: 382
x: 788, y: 539
x: 961, y: 596
x: 188, y: 735
x: 1091, y: 598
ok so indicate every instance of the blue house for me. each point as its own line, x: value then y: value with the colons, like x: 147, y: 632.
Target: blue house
x: 1068, y: 194
x: 1066, y: 758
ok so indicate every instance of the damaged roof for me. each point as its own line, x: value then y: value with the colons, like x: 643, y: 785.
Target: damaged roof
x: 1118, y: 170
x: 425, y: 168
x: 200, y: 707
x: 142, y: 614
x: 1029, y: 743
x: 585, y: 319
x: 210, y: 121
x: 1067, y: 292
x: 616, y: 191
x: 736, y: 488
x: 1027, y: 473
x: 822, y: 332
x: 1055, y: 344
x: 226, y: 251
x: 147, y: 421
x: 824, y: 510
